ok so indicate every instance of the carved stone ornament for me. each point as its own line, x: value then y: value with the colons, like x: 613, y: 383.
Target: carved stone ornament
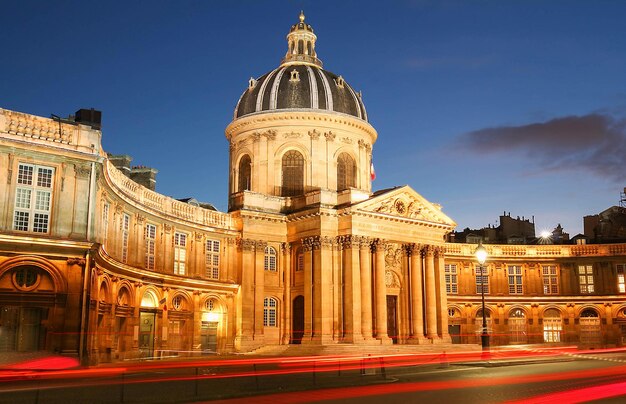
x: 286, y: 248
x: 347, y: 140
x: 198, y: 236
x: 291, y: 135
x: 330, y: 136
x: 140, y: 219
x: 270, y: 134
x: 314, y: 134
x: 391, y: 280
x: 82, y: 171
x: 256, y: 136
x: 167, y: 228
x: 76, y: 261
x: 377, y: 245
x: 248, y: 244
x: 393, y: 256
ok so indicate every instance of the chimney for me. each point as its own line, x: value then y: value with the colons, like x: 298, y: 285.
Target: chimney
x: 121, y: 162
x: 145, y: 176
x: 91, y: 117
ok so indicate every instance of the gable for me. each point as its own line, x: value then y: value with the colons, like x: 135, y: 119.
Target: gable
x: 404, y: 202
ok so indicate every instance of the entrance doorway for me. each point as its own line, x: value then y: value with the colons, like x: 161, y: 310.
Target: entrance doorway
x: 146, y: 333
x: 208, y: 336
x: 297, y: 320
x: 20, y: 329
x: 392, y: 320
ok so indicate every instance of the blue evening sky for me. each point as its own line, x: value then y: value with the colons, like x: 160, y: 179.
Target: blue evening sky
x: 481, y: 106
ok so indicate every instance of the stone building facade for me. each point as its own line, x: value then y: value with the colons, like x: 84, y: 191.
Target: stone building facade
x: 96, y: 265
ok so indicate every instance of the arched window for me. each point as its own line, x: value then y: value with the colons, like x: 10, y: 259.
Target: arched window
x: 270, y: 259
x: 269, y: 312
x: 293, y: 173
x: 517, y: 327
x: 346, y: 172
x: 245, y: 174
x: 552, y: 326
x: 149, y: 300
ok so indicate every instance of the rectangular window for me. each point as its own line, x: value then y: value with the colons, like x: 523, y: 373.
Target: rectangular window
x: 515, y: 279
x: 33, y: 198
x: 451, y: 279
x: 300, y: 262
x: 482, y: 279
x: 125, y: 234
x: 212, y: 259
x: 150, y: 246
x: 180, y: 253
x: 550, y: 280
x: 585, y: 278
x: 621, y: 287
x: 105, y: 224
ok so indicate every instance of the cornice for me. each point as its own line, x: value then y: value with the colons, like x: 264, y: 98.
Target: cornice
x: 306, y: 115
x: 116, y: 268
x: 511, y: 252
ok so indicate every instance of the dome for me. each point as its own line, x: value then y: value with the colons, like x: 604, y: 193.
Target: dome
x: 300, y: 83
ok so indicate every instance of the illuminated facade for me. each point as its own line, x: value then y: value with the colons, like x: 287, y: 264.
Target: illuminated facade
x: 94, y: 264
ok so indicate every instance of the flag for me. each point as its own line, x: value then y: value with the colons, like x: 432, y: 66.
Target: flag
x: 372, y: 172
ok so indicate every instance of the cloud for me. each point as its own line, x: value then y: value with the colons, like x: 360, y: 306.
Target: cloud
x: 595, y: 143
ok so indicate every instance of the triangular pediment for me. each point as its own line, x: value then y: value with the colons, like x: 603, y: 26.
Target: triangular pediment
x: 406, y: 203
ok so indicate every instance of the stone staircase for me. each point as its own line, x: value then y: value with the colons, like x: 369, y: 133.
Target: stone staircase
x: 353, y: 349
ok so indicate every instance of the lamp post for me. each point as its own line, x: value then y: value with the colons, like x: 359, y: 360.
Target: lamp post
x: 481, y: 256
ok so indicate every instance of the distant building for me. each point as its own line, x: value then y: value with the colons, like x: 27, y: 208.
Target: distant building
x: 510, y: 231
x: 609, y: 226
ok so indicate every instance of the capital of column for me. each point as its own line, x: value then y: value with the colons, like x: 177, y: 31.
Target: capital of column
x: 286, y: 248
x: 378, y: 245
x: 439, y: 251
x: 308, y: 243
x: 260, y: 245
x: 365, y: 243
x: 428, y: 250
x: 246, y: 244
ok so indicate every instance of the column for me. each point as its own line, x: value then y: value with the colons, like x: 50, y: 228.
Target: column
x: 380, y: 292
x: 417, y: 307
x: 286, y: 309
x: 442, y: 296
x: 365, y: 268
x: 322, y: 290
x: 352, y: 288
x: 431, y: 293
x: 245, y: 326
x: 259, y: 288
x: 307, y: 247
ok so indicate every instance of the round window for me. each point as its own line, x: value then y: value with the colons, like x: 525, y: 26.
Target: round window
x: 177, y: 302
x: 26, y: 278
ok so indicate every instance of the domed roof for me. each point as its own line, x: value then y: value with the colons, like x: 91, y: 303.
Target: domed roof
x: 300, y: 83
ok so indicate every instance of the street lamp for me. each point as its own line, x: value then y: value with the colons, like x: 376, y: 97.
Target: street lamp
x: 481, y: 256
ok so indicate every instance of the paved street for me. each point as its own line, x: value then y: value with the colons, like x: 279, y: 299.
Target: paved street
x: 433, y: 377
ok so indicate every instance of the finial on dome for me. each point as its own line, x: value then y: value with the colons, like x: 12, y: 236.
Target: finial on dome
x: 301, y: 16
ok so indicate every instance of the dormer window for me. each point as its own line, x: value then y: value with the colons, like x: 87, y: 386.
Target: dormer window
x: 295, y: 76
x: 251, y: 83
x: 340, y: 82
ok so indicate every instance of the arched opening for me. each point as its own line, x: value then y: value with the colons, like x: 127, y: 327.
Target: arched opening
x: 270, y: 259
x: 292, y: 173
x: 346, y: 172
x: 297, y: 320
x: 454, y: 324
x: 590, y: 328
x: 147, y: 323
x: 212, y: 317
x: 517, y: 327
x: 479, y: 323
x: 552, y: 326
x: 245, y: 174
